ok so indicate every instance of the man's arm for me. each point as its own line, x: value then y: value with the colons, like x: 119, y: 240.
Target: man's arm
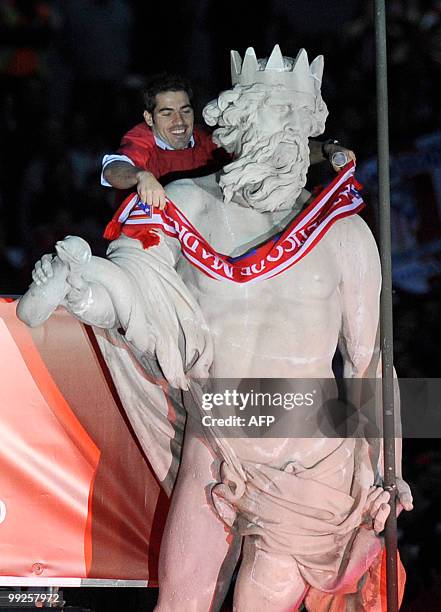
x: 130, y: 166
x: 121, y: 174
x: 124, y: 175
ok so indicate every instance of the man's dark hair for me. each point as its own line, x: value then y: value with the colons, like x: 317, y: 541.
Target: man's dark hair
x: 164, y: 82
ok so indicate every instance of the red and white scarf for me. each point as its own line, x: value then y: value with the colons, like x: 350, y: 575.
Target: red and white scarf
x: 338, y: 200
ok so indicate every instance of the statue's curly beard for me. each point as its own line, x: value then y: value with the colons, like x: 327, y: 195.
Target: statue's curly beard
x: 269, y: 173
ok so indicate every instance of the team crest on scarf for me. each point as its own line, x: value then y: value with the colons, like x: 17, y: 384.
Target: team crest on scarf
x: 338, y: 200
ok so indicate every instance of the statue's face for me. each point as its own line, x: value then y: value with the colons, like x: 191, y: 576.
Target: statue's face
x: 283, y: 112
x: 272, y: 154
x: 267, y: 128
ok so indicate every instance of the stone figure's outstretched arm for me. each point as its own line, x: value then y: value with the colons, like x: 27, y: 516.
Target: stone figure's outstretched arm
x: 134, y: 291
x: 91, y: 288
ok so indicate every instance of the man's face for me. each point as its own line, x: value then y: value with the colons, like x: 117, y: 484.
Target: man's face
x: 172, y: 119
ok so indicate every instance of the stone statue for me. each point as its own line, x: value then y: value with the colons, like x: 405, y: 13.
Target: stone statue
x: 306, y: 509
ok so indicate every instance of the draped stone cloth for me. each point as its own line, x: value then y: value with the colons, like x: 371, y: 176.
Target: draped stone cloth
x: 294, y: 511
x: 165, y: 342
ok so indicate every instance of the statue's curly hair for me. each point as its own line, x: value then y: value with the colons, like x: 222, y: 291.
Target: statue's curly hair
x: 231, y: 110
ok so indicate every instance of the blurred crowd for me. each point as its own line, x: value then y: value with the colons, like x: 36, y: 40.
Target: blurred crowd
x: 71, y: 72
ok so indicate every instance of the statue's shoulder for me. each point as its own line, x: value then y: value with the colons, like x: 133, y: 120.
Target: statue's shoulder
x: 356, y: 227
x: 193, y: 194
x: 351, y: 235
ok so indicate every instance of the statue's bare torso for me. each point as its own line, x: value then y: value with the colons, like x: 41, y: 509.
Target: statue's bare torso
x: 246, y: 320
x: 286, y: 327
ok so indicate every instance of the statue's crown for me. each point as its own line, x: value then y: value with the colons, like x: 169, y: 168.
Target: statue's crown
x: 296, y: 74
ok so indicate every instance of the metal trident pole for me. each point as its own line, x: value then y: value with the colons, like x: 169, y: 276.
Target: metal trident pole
x: 386, y: 323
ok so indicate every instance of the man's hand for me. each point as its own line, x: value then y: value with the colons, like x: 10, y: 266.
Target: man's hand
x: 331, y: 149
x: 320, y: 151
x: 150, y: 190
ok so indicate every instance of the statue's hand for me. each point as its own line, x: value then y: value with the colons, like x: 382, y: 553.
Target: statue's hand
x: 78, y: 288
x: 377, y: 508
x: 47, y: 291
x: 404, y: 496
x: 43, y: 270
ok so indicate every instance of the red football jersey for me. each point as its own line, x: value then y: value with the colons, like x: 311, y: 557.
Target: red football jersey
x: 167, y: 165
